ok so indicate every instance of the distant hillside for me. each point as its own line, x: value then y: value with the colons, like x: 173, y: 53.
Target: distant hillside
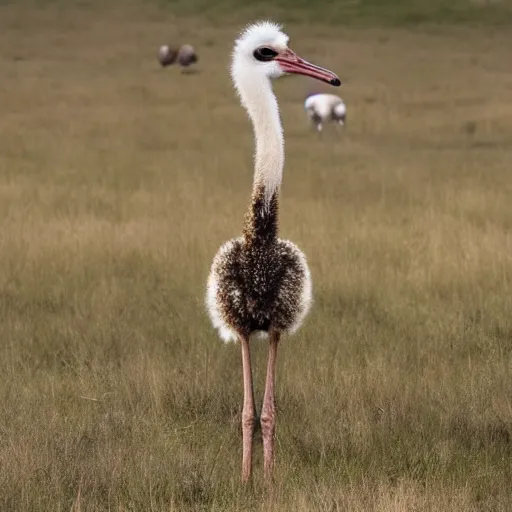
x: 356, y: 12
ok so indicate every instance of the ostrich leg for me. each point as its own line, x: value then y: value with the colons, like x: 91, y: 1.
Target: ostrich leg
x: 248, y: 411
x: 268, y: 410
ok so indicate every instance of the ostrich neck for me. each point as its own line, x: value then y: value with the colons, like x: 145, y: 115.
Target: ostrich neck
x: 261, y: 104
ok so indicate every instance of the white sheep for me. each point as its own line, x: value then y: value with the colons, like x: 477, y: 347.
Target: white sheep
x: 322, y: 108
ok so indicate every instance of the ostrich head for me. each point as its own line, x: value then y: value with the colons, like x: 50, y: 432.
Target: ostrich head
x: 262, y: 51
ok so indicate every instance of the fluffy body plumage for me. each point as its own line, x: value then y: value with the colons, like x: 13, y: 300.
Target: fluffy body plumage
x: 322, y: 108
x: 258, y: 281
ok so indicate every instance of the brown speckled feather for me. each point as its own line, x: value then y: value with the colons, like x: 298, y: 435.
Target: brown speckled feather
x: 261, y: 278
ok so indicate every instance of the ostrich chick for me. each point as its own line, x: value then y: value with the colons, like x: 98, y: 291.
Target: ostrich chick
x: 258, y: 282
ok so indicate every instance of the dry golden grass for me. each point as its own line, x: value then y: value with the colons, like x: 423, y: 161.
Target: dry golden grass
x: 118, y: 182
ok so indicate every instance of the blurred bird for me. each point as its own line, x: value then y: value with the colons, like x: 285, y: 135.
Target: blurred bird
x: 322, y: 108
x: 187, y: 56
x: 167, y: 55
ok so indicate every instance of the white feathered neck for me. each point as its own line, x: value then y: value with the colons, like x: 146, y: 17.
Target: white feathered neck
x: 252, y: 82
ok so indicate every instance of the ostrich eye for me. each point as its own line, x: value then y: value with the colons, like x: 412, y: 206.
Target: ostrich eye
x: 264, y: 54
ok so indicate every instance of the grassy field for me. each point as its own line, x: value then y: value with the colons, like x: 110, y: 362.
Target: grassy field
x: 118, y: 182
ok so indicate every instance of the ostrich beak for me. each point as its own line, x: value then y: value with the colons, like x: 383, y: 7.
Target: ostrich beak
x: 290, y: 62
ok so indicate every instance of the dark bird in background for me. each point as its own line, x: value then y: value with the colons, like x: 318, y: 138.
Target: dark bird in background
x: 185, y: 55
x: 167, y: 55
